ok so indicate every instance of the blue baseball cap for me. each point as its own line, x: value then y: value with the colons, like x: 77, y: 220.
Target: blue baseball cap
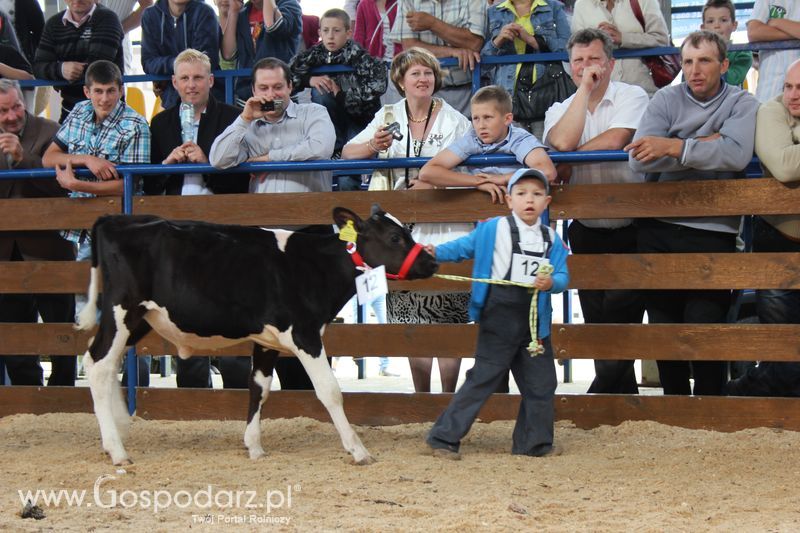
x: 528, y: 173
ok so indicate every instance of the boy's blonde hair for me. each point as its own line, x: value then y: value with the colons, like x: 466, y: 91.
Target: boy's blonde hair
x: 493, y: 94
x: 337, y: 13
x: 407, y: 59
x: 190, y: 55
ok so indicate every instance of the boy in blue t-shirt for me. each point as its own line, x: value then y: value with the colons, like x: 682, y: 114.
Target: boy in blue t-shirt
x: 491, y: 133
x: 508, y: 248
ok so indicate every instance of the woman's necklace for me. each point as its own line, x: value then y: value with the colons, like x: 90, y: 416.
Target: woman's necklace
x: 425, y: 119
x: 417, y: 143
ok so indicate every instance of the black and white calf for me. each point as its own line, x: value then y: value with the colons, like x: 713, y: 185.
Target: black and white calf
x: 205, y: 286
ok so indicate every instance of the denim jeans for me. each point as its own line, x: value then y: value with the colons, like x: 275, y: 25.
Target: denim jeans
x: 344, y: 125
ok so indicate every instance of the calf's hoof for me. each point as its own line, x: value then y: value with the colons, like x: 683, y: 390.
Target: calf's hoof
x: 366, y: 460
x: 257, y: 453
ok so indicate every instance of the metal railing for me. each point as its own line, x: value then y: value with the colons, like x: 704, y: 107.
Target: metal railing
x: 230, y: 76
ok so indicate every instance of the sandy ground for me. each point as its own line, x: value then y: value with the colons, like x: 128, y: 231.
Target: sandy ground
x: 638, y: 476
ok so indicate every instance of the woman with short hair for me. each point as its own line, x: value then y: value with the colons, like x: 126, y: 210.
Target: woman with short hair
x: 428, y: 125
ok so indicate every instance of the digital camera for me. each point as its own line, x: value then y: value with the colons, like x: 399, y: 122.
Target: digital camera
x: 394, y: 129
x: 273, y: 105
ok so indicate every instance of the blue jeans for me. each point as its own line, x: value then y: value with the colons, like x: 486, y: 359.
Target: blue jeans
x: 345, y: 129
x: 344, y: 125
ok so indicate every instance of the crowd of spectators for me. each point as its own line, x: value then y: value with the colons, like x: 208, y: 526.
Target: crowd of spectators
x: 703, y: 126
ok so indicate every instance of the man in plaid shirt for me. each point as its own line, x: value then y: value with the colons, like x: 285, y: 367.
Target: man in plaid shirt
x: 98, y: 134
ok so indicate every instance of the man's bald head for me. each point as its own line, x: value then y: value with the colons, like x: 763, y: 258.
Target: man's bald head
x: 791, y: 89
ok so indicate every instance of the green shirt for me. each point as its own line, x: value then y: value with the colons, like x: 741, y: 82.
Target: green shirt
x: 740, y: 63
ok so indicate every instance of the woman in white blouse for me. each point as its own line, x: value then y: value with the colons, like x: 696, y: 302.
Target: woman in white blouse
x: 428, y: 125
x: 617, y: 19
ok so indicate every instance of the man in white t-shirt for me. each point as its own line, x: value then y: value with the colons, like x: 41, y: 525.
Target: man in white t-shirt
x: 130, y: 19
x: 773, y: 20
x: 601, y: 115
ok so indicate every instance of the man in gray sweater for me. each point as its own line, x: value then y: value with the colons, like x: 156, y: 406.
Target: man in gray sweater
x: 702, y: 129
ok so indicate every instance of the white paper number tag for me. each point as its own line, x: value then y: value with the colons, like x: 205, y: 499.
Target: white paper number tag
x: 525, y: 267
x: 371, y: 285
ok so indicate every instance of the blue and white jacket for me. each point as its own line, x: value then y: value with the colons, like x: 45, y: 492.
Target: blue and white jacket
x: 479, y: 245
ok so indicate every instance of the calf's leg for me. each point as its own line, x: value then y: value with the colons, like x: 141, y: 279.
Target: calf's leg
x: 101, y: 370
x: 329, y: 393
x: 260, y: 383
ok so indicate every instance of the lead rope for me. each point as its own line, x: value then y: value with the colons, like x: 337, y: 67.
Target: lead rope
x: 535, y: 347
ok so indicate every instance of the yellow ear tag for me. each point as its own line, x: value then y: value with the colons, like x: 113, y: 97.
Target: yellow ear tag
x: 348, y: 232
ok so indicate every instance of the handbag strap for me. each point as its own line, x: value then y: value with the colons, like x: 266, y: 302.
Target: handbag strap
x: 637, y: 12
x: 379, y: 26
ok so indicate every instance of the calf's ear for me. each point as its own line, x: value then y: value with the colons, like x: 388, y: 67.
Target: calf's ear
x: 341, y: 215
x: 376, y: 210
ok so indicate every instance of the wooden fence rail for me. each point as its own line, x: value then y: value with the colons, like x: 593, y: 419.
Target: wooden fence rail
x: 634, y: 271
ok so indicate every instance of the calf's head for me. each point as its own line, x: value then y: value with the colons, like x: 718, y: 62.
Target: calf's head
x: 382, y: 240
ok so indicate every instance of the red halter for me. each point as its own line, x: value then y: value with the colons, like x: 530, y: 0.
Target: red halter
x: 406, y: 266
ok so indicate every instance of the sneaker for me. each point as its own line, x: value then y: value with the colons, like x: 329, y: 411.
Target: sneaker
x: 388, y: 374
x: 442, y: 450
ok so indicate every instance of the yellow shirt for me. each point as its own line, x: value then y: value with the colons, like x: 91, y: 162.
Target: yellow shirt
x: 523, y: 20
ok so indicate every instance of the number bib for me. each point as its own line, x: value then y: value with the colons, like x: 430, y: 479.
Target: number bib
x: 371, y: 285
x: 524, y: 267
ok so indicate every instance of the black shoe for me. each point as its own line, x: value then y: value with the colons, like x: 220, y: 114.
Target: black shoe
x: 547, y: 451
x: 443, y: 450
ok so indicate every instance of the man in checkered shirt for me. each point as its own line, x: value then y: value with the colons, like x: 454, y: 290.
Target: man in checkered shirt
x: 99, y: 134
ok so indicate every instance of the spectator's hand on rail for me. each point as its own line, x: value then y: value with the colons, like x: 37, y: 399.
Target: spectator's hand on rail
x: 177, y: 155
x: 10, y: 145
x: 417, y: 184
x: 72, y: 70
x: 102, y: 169
x: 612, y: 31
x: 497, y: 179
x: 420, y: 21
x: 563, y: 172
x: 194, y: 154
x: 324, y: 84
x: 496, y: 192
x: 66, y: 177
x: 467, y: 59
x: 651, y: 148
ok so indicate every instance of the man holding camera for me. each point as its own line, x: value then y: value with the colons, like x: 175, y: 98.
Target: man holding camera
x: 273, y: 128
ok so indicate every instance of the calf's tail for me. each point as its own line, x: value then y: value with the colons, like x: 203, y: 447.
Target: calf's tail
x: 87, y: 318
